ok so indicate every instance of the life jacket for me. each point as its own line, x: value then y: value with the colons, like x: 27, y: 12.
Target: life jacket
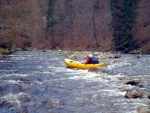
x: 93, y: 59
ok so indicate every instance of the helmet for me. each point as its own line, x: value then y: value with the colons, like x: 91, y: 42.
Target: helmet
x: 90, y: 55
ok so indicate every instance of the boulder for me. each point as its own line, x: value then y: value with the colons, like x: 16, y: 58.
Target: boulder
x: 134, y: 94
x: 149, y: 95
x: 139, y: 56
x: 143, y: 110
x: 137, y: 82
x: 117, y: 56
x: 134, y: 82
x: 94, y: 69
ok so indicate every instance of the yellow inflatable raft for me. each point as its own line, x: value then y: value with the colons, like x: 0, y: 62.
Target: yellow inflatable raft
x: 79, y: 65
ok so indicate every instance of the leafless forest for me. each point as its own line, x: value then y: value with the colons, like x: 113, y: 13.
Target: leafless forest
x: 79, y: 25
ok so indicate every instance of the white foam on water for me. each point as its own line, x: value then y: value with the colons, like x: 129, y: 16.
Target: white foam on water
x: 86, y: 77
x: 139, y: 104
x: 117, y: 75
x: 118, y: 64
x: 14, y: 81
x: 13, y: 98
x: 21, y: 75
x: 69, y: 70
x: 58, y: 69
x: 38, y: 82
x: 132, y: 111
x: 4, y: 61
x: 40, y: 67
x: 83, y: 74
x: 12, y: 75
x: 111, y: 78
x: 54, y: 58
x: 45, y: 72
x: 142, y: 76
x: 113, y: 92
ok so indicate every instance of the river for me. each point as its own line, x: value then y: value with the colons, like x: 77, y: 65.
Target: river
x: 39, y: 82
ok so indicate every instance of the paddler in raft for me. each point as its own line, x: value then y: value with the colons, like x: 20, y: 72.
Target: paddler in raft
x: 91, y: 60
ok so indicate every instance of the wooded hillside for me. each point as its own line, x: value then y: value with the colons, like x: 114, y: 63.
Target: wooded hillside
x: 80, y: 24
x: 21, y: 24
x: 100, y: 25
x: 103, y: 25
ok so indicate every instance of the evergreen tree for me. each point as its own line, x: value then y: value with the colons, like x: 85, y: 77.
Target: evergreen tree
x: 51, y: 21
x: 124, y: 18
x: 50, y: 16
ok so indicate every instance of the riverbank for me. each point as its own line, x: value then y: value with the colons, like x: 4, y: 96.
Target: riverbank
x: 4, y: 51
x: 7, y: 51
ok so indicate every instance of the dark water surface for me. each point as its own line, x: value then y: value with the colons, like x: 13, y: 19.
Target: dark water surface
x: 39, y: 82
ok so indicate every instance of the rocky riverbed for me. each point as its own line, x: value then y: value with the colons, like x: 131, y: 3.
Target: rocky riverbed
x: 39, y: 81
x: 134, y: 87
